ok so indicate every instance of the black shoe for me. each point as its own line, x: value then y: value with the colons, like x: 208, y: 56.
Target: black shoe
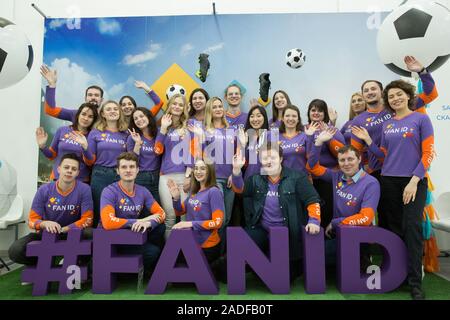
x: 202, y: 73
x: 417, y: 294
x: 264, y: 86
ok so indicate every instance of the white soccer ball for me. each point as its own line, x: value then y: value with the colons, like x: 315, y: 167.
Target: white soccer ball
x: 295, y: 58
x: 8, y: 186
x: 16, y: 54
x: 174, y: 89
x: 416, y: 28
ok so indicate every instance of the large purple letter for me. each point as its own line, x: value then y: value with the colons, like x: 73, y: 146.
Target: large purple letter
x: 314, y: 262
x: 107, y: 261
x: 197, y: 269
x: 241, y: 250
x: 393, y: 269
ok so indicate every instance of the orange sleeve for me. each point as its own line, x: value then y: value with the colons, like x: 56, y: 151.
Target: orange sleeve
x: 156, y: 108
x: 215, y: 222
x: 159, y: 148
x: 156, y: 209
x: 334, y: 146
x: 86, y: 219
x: 183, y: 210
x: 427, y: 152
x: 109, y: 219
x: 34, y: 220
x: 317, y: 170
x: 89, y: 162
x: 428, y: 98
x: 358, y: 145
x: 314, y: 211
x: 51, y: 111
x: 363, y: 218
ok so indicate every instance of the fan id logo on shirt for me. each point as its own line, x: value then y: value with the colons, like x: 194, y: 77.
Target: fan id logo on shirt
x: 374, y: 121
x: 126, y: 205
x: 196, y: 204
x: 54, y: 203
x: 66, y: 138
x: 409, y: 134
x: 351, y: 203
x: 405, y: 131
x: 106, y: 138
x: 346, y: 195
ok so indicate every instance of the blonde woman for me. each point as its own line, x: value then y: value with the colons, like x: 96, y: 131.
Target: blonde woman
x: 106, y: 141
x: 176, y: 145
x: 219, y: 147
x: 357, y: 106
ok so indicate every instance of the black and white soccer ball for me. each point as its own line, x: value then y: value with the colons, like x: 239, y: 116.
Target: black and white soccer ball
x: 16, y: 54
x: 416, y: 28
x: 295, y: 58
x: 174, y: 89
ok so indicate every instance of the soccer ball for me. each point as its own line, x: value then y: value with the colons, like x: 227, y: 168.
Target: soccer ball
x: 16, y: 54
x: 295, y: 58
x: 174, y: 89
x: 8, y: 186
x: 416, y: 28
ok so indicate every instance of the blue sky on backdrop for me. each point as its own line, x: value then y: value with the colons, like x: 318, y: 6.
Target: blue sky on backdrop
x: 113, y: 52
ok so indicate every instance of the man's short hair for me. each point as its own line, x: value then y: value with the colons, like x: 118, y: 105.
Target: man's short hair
x: 130, y: 156
x: 376, y: 81
x: 348, y: 148
x: 94, y: 87
x: 71, y: 156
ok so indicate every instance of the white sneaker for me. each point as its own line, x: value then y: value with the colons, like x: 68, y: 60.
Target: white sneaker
x: 423, y: 272
x: 26, y: 284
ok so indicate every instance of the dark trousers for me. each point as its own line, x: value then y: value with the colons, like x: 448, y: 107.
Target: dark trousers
x: 17, y: 251
x: 150, y: 180
x: 405, y: 220
x: 261, y: 237
x: 380, y: 208
x: 211, y: 255
x: 325, y: 191
x: 150, y: 250
x: 101, y: 178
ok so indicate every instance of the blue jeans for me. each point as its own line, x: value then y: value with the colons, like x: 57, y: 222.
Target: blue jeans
x: 149, y: 250
x: 228, y: 196
x: 150, y: 180
x: 101, y: 178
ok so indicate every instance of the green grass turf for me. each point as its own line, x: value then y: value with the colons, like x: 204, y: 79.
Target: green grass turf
x: 435, y: 288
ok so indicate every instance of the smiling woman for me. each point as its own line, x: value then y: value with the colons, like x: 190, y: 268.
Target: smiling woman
x: 104, y: 144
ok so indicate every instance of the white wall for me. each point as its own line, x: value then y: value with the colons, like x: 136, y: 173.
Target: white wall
x: 21, y: 103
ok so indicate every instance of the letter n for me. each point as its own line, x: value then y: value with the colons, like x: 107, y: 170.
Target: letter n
x: 197, y: 269
x: 242, y: 250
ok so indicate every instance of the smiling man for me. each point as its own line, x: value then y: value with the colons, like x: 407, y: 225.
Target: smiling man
x: 57, y: 207
x: 356, y: 193
x: 126, y: 205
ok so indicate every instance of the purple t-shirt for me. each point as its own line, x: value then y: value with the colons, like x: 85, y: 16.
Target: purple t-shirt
x: 219, y: 147
x: 351, y: 196
x: 61, y: 145
x: 327, y: 158
x: 408, y: 144
x: 104, y: 147
x: 272, y: 215
x: 294, y: 151
x: 274, y: 124
x: 373, y: 123
x: 237, y: 121
x: 205, y: 209
x: 346, y: 131
x: 126, y: 206
x: 148, y: 159
x: 52, y: 204
x: 176, y: 150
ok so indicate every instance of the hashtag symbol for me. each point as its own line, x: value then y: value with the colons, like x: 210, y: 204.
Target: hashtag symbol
x: 44, y: 272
